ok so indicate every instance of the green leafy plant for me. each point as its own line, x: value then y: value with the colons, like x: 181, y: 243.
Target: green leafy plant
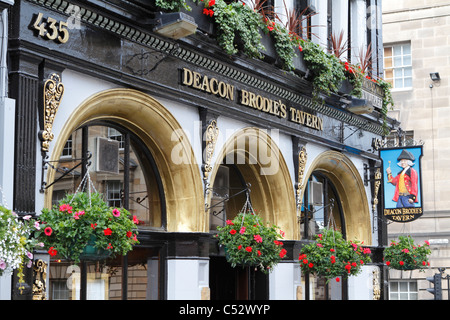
x: 236, y: 24
x: 387, y: 100
x: 404, y: 254
x: 355, y: 76
x: 248, y: 241
x: 172, y: 5
x: 67, y: 228
x: 284, y: 43
x: 326, y: 70
x: 16, y: 242
x: 331, y: 256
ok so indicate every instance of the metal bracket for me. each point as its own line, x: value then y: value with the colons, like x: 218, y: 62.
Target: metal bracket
x: 227, y: 197
x: 46, y: 163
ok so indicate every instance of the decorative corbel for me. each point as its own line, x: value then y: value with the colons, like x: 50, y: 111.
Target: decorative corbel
x: 53, y: 92
x: 377, y: 188
x: 40, y: 275
x: 210, y: 133
x: 210, y: 136
x: 300, y: 158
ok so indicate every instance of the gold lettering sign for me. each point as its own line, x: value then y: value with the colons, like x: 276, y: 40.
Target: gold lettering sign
x: 250, y: 99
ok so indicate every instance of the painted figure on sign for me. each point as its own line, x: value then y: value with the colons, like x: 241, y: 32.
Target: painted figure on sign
x: 405, y: 182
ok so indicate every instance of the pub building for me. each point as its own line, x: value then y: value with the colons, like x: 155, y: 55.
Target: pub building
x: 177, y: 131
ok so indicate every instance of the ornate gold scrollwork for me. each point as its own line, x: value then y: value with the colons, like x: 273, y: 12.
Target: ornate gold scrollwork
x: 211, y: 134
x: 53, y: 92
x: 376, y: 284
x: 377, y: 188
x: 40, y: 276
x: 302, y: 157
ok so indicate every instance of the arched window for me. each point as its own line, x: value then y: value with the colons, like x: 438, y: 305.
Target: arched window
x: 122, y: 168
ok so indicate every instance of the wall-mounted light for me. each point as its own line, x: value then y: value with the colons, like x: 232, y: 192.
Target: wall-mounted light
x: 435, y: 76
x: 174, y: 25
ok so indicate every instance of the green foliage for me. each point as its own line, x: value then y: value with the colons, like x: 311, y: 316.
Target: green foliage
x: 327, y: 71
x: 172, y: 5
x: 67, y: 227
x: 332, y: 256
x: 249, y: 242
x: 284, y: 43
x: 387, y: 100
x: 237, y: 22
x: 406, y: 255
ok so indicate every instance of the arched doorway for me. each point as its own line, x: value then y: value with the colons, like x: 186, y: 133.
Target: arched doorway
x: 249, y: 159
x: 334, y: 192
x: 131, y: 137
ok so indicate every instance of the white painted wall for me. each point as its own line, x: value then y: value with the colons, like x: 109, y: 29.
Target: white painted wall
x: 186, y: 278
x: 284, y: 280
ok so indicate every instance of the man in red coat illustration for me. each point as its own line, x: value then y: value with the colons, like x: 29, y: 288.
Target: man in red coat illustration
x: 405, y: 182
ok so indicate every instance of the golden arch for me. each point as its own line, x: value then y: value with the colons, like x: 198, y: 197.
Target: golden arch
x: 350, y: 187
x: 272, y: 191
x: 159, y: 130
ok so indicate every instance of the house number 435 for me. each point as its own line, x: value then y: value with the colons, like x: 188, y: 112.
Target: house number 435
x: 51, y: 28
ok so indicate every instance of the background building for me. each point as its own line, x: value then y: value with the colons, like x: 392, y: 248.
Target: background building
x: 144, y: 103
x: 416, y: 47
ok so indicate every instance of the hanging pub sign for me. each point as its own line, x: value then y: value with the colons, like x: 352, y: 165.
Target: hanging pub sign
x: 402, y: 183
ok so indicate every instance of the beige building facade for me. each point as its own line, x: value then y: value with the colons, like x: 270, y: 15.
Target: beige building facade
x: 416, y: 36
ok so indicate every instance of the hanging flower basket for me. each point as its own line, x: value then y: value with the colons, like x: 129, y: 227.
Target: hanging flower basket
x: 406, y: 255
x: 248, y: 242
x: 83, y: 226
x: 16, y: 243
x: 331, y: 256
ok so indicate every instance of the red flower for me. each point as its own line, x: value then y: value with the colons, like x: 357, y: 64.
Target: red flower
x: 211, y: 3
x: 248, y: 249
x: 401, y: 263
x: 348, y: 267
x: 232, y: 231
x: 270, y: 28
x: 230, y: 223
x: 310, y: 265
x: 239, y: 247
x: 259, y: 253
x: 283, y: 253
x: 107, y: 232
x: 93, y: 225
x: 129, y: 234
x: 388, y: 263
x: 65, y: 207
x: 48, y: 231
x: 52, y: 252
x: 109, y: 246
x: 333, y: 259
